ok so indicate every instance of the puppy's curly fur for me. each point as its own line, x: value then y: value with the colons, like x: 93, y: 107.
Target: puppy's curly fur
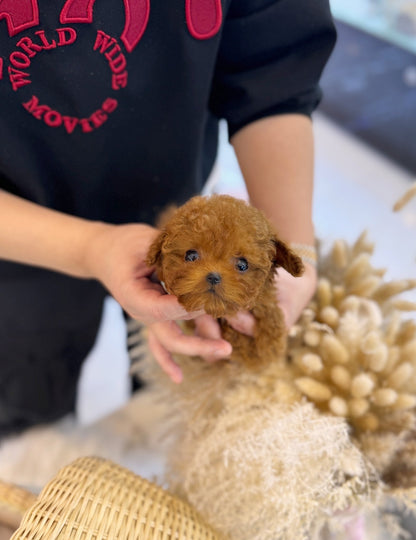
x: 220, y: 254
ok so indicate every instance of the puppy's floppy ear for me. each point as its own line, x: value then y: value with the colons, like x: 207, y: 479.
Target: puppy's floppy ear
x: 287, y: 259
x: 154, y: 255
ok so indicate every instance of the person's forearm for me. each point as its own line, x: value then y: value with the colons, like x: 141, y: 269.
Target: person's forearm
x: 275, y: 155
x: 34, y: 235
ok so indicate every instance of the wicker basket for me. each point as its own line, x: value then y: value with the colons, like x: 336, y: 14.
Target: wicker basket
x: 94, y: 499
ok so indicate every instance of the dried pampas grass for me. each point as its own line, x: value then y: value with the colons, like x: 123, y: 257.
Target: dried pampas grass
x: 353, y: 352
x: 278, y: 472
x: 256, y: 458
x: 408, y: 196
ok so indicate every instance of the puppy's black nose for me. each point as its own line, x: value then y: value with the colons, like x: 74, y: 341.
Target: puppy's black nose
x: 213, y: 278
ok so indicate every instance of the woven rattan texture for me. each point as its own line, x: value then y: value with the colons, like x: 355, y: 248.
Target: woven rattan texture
x: 14, y: 501
x: 94, y: 499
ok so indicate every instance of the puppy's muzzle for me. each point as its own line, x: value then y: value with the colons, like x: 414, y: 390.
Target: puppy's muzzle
x: 213, y: 278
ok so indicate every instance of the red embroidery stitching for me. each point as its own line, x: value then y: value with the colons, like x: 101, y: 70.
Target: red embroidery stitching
x: 45, y: 43
x: 137, y: 17
x: 70, y: 123
x: 203, y: 17
x: 67, y: 36
x: 19, y: 60
x: 77, y: 11
x: 55, y: 119
x: 21, y: 16
x: 109, y: 47
x: 18, y: 78
x: 22, y: 59
x: 30, y: 48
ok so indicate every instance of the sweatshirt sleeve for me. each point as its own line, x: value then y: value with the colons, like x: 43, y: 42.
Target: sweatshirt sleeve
x: 270, y: 60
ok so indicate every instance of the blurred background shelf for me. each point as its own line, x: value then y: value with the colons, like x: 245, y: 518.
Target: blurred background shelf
x: 369, y: 90
x: 392, y: 20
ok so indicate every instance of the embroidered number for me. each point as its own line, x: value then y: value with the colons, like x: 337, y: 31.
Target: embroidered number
x: 203, y: 17
x: 77, y: 11
x: 137, y: 16
x: 19, y: 15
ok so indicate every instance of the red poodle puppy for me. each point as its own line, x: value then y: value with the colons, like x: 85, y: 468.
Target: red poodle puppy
x: 220, y: 254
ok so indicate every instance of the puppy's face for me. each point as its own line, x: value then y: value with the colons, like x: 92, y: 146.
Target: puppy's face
x: 217, y: 254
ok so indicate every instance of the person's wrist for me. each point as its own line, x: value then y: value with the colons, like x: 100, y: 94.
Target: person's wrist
x: 94, y: 246
x: 307, y: 252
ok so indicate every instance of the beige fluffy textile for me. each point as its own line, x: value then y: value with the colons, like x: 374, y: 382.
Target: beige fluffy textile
x: 126, y: 436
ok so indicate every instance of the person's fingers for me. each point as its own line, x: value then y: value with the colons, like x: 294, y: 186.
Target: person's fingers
x: 149, y: 303
x: 167, y: 308
x: 175, y: 341
x: 207, y: 327
x: 164, y: 358
x: 243, y: 322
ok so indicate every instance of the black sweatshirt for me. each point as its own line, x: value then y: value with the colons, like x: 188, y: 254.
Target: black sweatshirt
x: 110, y: 109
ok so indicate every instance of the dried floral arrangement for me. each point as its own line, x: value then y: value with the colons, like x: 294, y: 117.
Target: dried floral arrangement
x: 354, y: 354
x: 316, y: 438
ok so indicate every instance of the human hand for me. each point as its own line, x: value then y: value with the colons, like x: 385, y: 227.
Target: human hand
x: 166, y: 338
x: 116, y: 258
x: 295, y: 293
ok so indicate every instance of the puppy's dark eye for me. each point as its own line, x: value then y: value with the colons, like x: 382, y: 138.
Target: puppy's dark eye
x: 241, y: 265
x: 191, y: 255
